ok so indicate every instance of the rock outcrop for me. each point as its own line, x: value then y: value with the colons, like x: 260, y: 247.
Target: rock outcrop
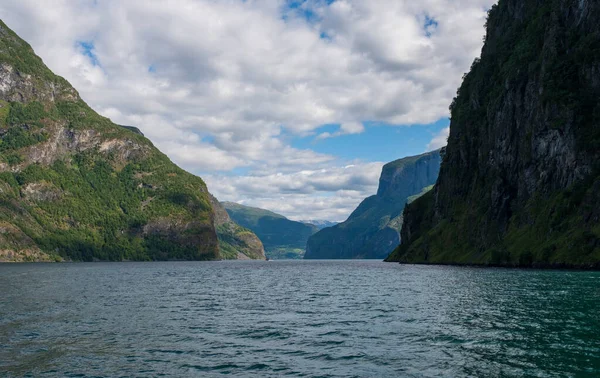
x: 75, y: 186
x: 519, y: 184
x: 373, y: 230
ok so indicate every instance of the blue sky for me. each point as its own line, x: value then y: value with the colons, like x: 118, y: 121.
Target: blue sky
x: 288, y: 105
x: 379, y: 142
x: 87, y: 49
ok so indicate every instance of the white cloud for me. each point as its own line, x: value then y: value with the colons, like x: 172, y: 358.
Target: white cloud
x: 361, y: 177
x: 439, y: 140
x: 345, y: 129
x: 203, y: 155
x: 219, y: 85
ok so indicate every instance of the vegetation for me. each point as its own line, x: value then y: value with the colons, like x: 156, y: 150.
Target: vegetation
x: 235, y: 242
x: 549, y: 231
x: 85, y: 209
x: 234, y: 239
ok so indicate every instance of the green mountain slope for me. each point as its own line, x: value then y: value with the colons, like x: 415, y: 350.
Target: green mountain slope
x: 373, y: 230
x: 281, y: 237
x: 74, y: 185
x: 235, y: 241
x: 520, y: 181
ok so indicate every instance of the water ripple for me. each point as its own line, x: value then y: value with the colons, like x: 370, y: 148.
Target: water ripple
x: 297, y: 319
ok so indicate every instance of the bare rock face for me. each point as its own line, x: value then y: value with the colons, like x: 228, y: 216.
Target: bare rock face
x: 41, y: 191
x: 16, y: 86
x: 236, y: 242
x: 524, y: 146
x: 74, y: 185
x: 408, y: 176
x: 221, y: 216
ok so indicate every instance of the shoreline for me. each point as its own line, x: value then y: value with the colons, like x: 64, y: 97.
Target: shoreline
x: 556, y: 266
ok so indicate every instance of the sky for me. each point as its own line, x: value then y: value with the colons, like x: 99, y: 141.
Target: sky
x: 288, y: 105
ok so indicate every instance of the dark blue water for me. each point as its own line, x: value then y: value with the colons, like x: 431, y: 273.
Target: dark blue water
x: 297, y: 318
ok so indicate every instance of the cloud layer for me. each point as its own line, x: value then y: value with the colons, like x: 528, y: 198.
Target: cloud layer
x: 439, y: 140
x: 228, y: 85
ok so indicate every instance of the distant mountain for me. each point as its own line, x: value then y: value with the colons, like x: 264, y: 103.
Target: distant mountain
x: 235, y: 242
x: 76, y: 186
x: 321, y: 224
x: 373, y: 230
x: 281, y: 237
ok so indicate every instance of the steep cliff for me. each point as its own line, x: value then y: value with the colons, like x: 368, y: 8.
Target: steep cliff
x: 282, y: 238
x: 74, y: 185
x: 520, y: 183
x: 373, y: 230
x: 235, y: 242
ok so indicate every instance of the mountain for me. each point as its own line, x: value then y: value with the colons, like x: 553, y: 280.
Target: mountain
x: 75, y: 186
x: 373, y: 230
x: 321, y: 224
x: 520, y: 182
x: 282, y: 238
x: 235, y: 242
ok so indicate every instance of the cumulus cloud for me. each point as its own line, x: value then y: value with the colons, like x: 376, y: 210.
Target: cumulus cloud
x: 439, y: 140
x: 220, y: 85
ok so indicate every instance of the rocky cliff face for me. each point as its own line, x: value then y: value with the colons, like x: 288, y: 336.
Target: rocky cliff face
x: 235, y: 242
x: 373, y: 230
x: 75, y: 186
x: 519, y: 182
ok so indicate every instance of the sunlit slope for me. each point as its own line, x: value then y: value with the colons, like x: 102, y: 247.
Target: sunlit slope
x: 74, y: 185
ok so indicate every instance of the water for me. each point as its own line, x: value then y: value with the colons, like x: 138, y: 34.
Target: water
x: 296, y: 318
